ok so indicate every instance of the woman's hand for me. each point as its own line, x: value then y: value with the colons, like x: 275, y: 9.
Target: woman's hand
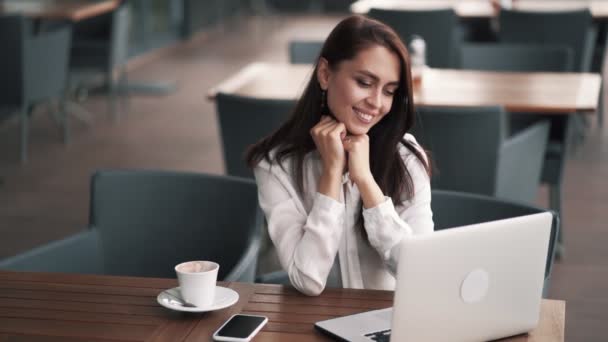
x: 328, y: 135
x: 357, y: 147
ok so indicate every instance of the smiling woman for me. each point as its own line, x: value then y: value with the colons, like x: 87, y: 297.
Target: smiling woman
x: 341, y: 182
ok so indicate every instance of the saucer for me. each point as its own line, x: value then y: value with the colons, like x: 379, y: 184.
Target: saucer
x: 224, y: 297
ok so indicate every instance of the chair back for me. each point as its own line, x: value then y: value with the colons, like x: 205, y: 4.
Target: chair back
x: 304, y: 51
x: 438, y: 28
x: 119, y: 39
x: 78, y: 253
x: 570, y: 28
x: 33, y: 67
x: 12, y: 36
x: 516, y: 57
x: 464, y: 144
x: 472, y: 152
x: 455, y: 209
x: 243, y: 122
x: 46, y: 64
x: 149, y: 221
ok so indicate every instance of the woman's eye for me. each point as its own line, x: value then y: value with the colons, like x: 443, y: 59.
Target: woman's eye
x: 364, y: 83
x: 389, y: 92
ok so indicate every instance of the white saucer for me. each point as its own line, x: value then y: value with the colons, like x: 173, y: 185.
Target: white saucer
x: 224, y: 297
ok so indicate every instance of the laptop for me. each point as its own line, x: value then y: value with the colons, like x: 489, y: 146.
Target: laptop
x: 473, y: 283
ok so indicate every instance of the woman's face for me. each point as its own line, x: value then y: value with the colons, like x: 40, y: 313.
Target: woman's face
x: 360, y: 91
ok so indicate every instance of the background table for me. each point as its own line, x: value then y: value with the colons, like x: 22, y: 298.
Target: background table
x: 71, y: 10
x: 59, y: 307
x: 541, y: 93
x: 483, y: 8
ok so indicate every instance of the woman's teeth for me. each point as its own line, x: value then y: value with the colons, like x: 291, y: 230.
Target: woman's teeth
x: 363, y: 116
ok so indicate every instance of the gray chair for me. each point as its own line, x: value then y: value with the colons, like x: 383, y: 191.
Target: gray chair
x: 101, y: 47
x: 438, y: 27
x: 530, y: 57
x: 455, y: 209
x: 472, y: 152
x: 575, y: 29
x: 34, y: 69
x: 244, y: 121
x: 516, y: 57
x: 304, y: 51
x: 143, y: 223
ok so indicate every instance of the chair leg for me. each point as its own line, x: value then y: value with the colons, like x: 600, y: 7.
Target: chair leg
x: 112, y: 103
x: 124, y: 90
x: 555, y: 203
x: 65, y: 120
x: 600, y: 108
x: 25, y: 118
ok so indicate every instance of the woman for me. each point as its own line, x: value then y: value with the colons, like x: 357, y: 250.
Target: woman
x: 341, y: 183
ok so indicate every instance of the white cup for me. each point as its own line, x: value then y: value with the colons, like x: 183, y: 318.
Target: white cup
x: 197, y: 282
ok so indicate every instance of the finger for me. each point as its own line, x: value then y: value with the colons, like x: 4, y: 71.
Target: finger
x: 321, y: 126
x: 328, y: 128
x: 347, y: 143
x: 338, y: 131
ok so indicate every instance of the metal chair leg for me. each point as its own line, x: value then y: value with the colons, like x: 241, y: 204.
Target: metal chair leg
x: 555, y: 203
x: 112, y: 97
x: 25, y: 117
x: 65, y: 120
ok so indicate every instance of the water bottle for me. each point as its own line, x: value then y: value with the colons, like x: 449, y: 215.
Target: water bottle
x: 417, y: 56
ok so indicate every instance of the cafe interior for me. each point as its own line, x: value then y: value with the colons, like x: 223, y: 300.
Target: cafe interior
x: 124, y: 124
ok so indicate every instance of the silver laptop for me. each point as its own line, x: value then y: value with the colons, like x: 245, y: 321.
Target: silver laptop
x: 474, y: 283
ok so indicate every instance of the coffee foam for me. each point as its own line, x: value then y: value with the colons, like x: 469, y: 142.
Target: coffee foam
x: 196, y: 267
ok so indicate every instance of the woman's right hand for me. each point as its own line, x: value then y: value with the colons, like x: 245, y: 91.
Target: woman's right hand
x: 328, y: 135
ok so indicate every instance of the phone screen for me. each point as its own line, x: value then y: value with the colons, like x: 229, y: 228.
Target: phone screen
x: 241, y: 326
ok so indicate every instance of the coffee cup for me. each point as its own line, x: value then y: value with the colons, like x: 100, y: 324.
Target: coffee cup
x: 197, y: 281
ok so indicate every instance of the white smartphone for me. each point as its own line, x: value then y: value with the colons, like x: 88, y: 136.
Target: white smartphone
x: 240, y: 328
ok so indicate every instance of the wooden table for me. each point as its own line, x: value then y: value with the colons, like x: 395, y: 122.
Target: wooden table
x: 70, y: 10
x: 563, y: 93
x: 56, y: 307
x: 483, y: 8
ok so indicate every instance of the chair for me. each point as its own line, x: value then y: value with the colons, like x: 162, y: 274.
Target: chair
x: 570, y: 28
x: 101, y: 46
x: 143, y: 223
x: 518, y: 57
x: 244, y: 121
x: 473, y: 153
x: 34, y: 70
x: 304, y: 51
x: 455, y: 209
x: 438, y: 27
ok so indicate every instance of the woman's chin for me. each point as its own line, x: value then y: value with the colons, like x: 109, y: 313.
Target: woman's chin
x: 357, y: 130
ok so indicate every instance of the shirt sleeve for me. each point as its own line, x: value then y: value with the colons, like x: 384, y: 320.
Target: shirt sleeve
x: 306, y: 242
x: 387, y: 225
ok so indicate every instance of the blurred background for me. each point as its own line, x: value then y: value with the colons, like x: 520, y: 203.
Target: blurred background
x: 134, y: 93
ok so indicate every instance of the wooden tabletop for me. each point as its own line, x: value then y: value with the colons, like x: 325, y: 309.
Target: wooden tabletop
x: 55, y: 307
x: 72, y: 10
x: 484, y: 8
x: 517, y: 92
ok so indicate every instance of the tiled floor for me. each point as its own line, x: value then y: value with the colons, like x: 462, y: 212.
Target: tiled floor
x: 47, y: 198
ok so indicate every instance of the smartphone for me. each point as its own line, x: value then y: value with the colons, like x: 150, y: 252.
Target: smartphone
x: 240, y: 328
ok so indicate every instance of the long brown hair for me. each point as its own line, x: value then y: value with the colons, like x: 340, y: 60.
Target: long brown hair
x: 293, y: 139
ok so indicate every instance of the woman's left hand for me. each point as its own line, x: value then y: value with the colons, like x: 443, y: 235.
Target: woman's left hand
x: 357, y: 147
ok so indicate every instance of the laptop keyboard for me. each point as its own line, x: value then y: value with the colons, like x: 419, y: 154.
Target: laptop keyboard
x: 380, y: 336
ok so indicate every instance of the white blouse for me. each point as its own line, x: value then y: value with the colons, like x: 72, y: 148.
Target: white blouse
x: 309, y: 229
